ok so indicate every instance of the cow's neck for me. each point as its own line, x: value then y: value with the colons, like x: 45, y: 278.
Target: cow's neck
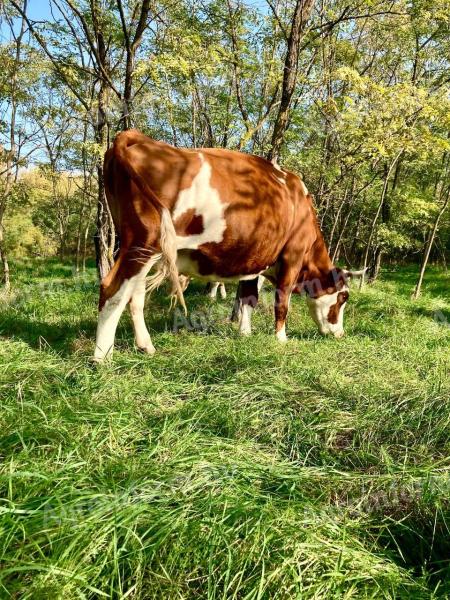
x: 318, y: 272
x: 319, y: 263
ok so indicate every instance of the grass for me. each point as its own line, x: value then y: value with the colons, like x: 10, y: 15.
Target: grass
x: 224, y: 467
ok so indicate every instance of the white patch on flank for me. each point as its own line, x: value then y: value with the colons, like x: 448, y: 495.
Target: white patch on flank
x: 245, y: 323
x: 319, y: 309
x: 205, y: 201
x: 281, y: 334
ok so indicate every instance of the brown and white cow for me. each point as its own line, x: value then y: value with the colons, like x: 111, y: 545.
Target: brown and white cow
x: 217, y: 215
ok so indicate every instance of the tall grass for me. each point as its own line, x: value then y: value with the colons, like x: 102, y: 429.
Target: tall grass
x: 224, y: 467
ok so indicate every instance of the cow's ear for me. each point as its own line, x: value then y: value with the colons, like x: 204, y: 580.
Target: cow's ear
x: 354, y: 274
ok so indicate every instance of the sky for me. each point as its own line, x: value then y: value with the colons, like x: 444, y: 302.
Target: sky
x: 39, y: 9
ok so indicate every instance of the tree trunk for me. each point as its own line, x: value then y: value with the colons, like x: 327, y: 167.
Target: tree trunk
x: 375, y: 266
x: 132, y: 43
x: 302, y: 13
x: 428, y: 247
x: 105, y: 235
x: 11, y: 154
x: 86, y: 233
x: 6, y: 281
x: 378, y: 211
x: 105, y: 230
x: 79, y: 230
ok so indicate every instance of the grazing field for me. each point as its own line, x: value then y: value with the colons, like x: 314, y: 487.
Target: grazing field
x: 224, y: 467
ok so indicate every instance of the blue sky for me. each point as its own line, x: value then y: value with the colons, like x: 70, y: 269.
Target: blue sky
x: 39, y: 9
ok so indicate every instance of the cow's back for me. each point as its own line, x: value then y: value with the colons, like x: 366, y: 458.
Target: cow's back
x: 233, y: 212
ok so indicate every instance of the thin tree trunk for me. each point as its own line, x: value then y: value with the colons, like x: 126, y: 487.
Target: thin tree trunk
x: 428, y: 247
x: 132, y: 43
x: 86, y: 233
x: 378, y: 211
x: 104, y: 236
x: 10, y: 155
x: 4, y: 260
x: 376, y: 266
x: 79, y: 233
x: 341, y: 235
x: 302, y: 13
x: 84, y: 198
x: 336, y: 218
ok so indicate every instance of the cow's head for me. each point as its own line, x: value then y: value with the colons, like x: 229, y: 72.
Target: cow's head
x: 326, y: 297
x: 327, y: 311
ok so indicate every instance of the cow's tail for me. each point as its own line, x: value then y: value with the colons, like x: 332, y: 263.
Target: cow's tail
x: 166, y: 260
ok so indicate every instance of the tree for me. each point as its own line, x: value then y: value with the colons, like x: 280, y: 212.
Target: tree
x: 11, y: 156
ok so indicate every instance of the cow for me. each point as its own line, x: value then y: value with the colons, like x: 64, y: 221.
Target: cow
x: 217, y: 215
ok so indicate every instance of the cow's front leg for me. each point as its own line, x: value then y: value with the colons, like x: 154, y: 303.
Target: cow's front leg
x: 248, y: 299
x: 285, y: 285
x: 212, y: 289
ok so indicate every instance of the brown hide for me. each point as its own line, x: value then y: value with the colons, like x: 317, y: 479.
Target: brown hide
x: 270, y: 219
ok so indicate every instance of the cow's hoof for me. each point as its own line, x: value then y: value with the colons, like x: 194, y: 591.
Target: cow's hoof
x: 150, y: 349
x: 97, y: 361
x: 282, y: 337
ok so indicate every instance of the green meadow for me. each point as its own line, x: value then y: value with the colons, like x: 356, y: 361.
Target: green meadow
x: 224, y: 467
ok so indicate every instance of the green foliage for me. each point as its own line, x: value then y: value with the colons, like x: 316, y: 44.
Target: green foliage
x: 372, y: 89
x: 26, y: 239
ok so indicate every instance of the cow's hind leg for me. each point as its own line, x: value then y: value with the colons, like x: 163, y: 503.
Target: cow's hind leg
x: 116, y: 290
x: 137, y: 301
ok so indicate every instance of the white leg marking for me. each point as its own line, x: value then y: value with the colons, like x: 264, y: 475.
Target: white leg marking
x: 109, y: 316
x: 213, y: 290
x: 108, y: 320
x: 260, y: 282
x: 281, y: 335
x: 143, y: 340
x: 223, y: 291
x: 245, y: 323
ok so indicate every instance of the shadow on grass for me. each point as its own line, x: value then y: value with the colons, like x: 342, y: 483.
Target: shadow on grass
x: 436, y: 281
x: 205, y: 316
x: 17, y: 322
x: 421, y: 543
x: 40, y: 333
x: 29, y: 270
